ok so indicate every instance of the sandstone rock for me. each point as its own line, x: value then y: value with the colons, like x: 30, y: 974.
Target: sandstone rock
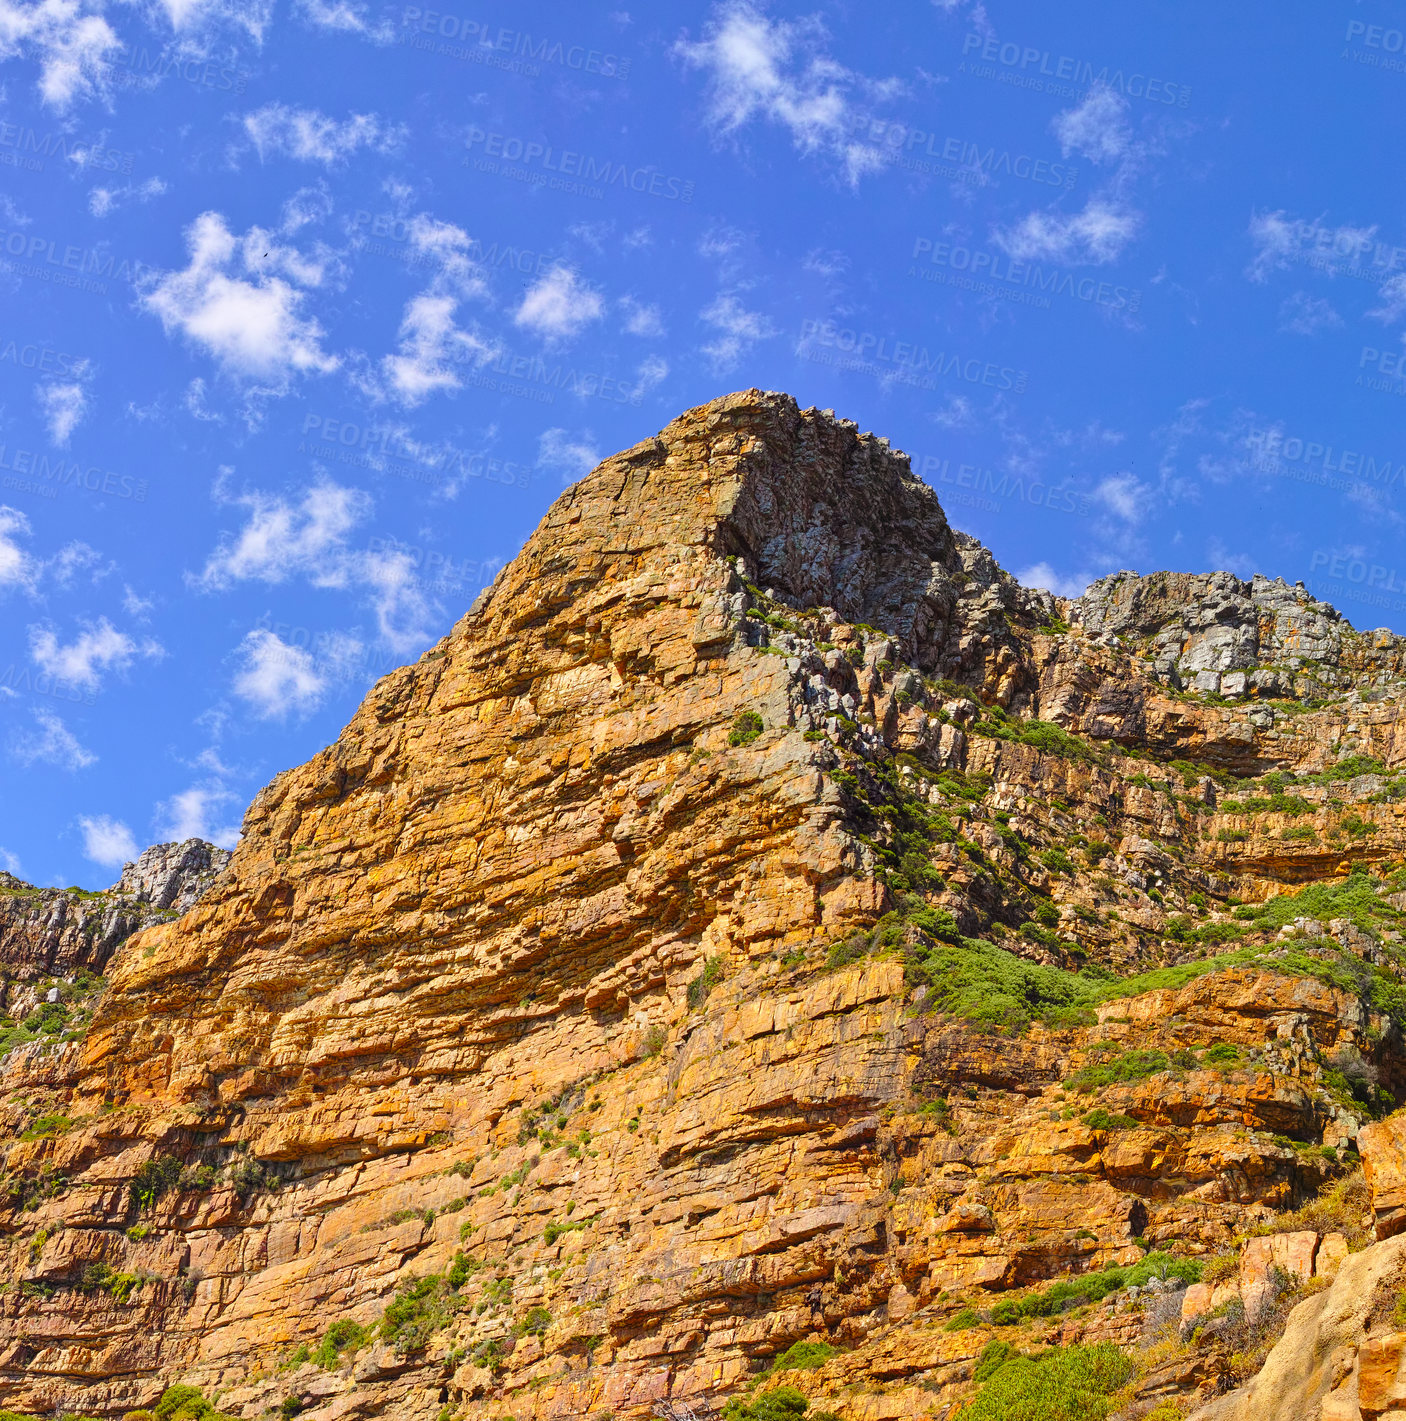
x: 1305, y: 1369
x: 1383, y: 1148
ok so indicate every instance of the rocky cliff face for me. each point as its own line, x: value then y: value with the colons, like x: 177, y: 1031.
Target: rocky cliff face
x: 760, y: 932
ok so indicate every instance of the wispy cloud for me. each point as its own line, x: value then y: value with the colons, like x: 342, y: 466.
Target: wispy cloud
x: 276, y: 679
x: 52, y: 744
x: 559, y: 306
x: 107, y: 841
x: 96, y: 650
x: 310, y: 136
x: 242, y: 300
x: 780, y: 71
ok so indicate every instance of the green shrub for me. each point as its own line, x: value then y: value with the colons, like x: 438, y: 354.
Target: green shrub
x: 804, y: 1356
x: 1133, y: 1065
x: 781, y: 1403
x: 344, y: 1335
x: 1093, y: 1287
x: 418, y: 1311
x: 1100, y: 1119
x: 185, y: 1403
x: 1061, y: 1384
x: 708, y: 978
x: 537, y: 1321
x: 746, y: 727
x: 959, y: 1322
x: 47, y: 1127
x: 554, y: 1230
x: 993, y: 1357
x: 152, y: 1180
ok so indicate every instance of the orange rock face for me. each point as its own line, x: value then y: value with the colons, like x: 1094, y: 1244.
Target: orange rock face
x: 556, y: 982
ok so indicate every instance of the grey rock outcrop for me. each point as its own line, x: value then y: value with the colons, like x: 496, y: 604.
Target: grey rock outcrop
x: 1215, y: 632
x: 172, y: 876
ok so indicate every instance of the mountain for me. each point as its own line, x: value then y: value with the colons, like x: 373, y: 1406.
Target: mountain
x: 761, y: 937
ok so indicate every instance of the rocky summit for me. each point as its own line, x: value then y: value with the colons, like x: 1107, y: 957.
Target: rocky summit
x: 763, y: 959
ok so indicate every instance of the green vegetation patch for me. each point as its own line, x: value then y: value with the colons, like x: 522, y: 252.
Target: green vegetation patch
x: 1061, y: 1384
x: 1094, y: 1287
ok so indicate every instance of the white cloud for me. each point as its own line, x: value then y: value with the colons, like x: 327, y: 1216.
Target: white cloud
x: 314, y: 137
x: 70, y: 40
x: 1393, y: 297
x: 231, y: 302
x: 559, y: 305
x: 63, y: 403
x: 432, y: 344
x: 1305, y: 315
x: 1275, y: 240
x: 1043, y: 575
x: 108, y: 842
x: 1279, y: 241
x: 1125, y: 496
x: 571, y: 457
x: 75, y: 558
x: 52, y: 744
x: 10, y: 862
x: 99, y: 648
x: 641, y: 320
x: 194, y: 814
x: 1097, y: 128
x: 282, y: 540
x: 779, y: 71
x: 308, y: 539
x: 348, y: 16
x: 103, y: 200
x: 1096, y: 235
x: 738, y: 331
x: 17, y: 568
x: 277, y: 678
x: 651, y: 371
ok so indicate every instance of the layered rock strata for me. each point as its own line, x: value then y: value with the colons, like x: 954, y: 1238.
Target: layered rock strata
x: 759, y: 921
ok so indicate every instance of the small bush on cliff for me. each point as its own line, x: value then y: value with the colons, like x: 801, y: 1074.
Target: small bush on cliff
x: 1129, y: 1066
x: 345, y: 1335
x: 155, y: 1178
x: 781, y: 1403
x: 704, y: 982
x: 804, y: 1357
x: 1062, y: 1384
x: 746, y: 727
x: 185, y: 1403
x: 1094, y: 1287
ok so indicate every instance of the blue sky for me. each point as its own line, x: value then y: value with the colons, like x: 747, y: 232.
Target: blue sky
x: 309, y: 308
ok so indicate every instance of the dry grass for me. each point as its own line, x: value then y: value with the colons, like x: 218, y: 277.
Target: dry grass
x: 1344, y: 1207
